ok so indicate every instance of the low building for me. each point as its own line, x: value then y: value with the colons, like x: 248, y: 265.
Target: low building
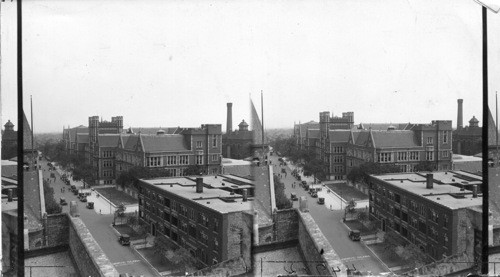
x: 437, y: 211
x: 210, y: 216
x: 467, y: 163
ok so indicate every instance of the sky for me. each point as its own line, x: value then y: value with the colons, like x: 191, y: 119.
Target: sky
x: 177, y: 63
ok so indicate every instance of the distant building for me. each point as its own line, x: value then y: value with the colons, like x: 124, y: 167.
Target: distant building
x: 404, y: 145
x: 210, y: 216
x: 110, y: 149
x: 467, y: 140
x: 9, y: 141
x: 237, y: 143
x: 438, y: 212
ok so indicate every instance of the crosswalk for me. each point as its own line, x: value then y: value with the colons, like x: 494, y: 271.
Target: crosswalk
x: 126, y: 263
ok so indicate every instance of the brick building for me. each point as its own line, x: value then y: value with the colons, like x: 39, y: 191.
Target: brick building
x: 342, y: 146
x: 210, y: 216
x: 110, y: 149
x: 467, y: 140
x: 438, y: 212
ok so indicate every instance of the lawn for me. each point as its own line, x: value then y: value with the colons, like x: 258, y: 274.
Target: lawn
x: 125, y: 229
x: 155, y: 260
x: 347, y: 192
x: 389, y: 257
x: 116, y: 197
x: 356, y: 225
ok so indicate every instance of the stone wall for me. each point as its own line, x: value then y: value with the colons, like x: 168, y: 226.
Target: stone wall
x: 56, y: 230
x: 319, y: 256
x: 87, y: 254
x: 285, y: 228
x: 239, y: 236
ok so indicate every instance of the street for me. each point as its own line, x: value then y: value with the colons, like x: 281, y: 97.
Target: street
x: 330, y: 222
x: 122, y: 257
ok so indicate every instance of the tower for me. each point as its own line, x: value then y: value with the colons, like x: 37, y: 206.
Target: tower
x: 118, y: 120
x: 229, y: 123
x: 460, y: 123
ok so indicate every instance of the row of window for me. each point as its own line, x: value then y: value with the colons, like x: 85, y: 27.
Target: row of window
x: 214, y: 138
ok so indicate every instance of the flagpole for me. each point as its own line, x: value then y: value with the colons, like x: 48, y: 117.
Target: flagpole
x: 262, y: 115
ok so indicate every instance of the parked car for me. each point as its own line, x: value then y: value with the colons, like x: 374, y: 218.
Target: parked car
x: 293, y: 196
x: 321, y: 200
x: 304, y: 183
x: 83, y: 198
x: 314, y: 194
x: 306, y: 187
x: 355, y: 235
x: 62, y: 201
x: 124, y: 239
x: 90, y: 205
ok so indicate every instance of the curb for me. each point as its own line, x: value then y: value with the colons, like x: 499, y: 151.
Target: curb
x: 114, y: 230
x: 147, y: 262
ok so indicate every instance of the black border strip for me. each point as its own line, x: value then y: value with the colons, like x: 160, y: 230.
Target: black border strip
x: 20, y: 145
x: 485, y: 215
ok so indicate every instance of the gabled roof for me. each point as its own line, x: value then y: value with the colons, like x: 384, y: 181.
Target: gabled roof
x: 164, y: 143
x: 309, y: 125
x: 108, y: 140
x: 131, y: 143
x: 384, y: 126
x: 152, y: 130
x: 339, y: 135
x: 77, y: 130
x: 395, y: 139
x: 361, y: 137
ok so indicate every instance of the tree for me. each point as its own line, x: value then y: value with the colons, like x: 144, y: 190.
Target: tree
x: 51, y: 205
x: 425, y: 166
x: 360, y: 174
x: 83, y: 172
x: 282, y: 202
x: 119, y: 212
x: 193, y: 170
x: 411, y: 254
x: 315, y: 167
x: 350, y: 208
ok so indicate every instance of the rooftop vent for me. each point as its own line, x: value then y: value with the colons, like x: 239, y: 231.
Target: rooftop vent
x: 430, y: 180
x: 199, y: 185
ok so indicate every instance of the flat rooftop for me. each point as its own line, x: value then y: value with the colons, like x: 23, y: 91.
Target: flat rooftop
x: 463, y: 158
x: 443, y: 192
x: 234, y: 162
x: 213, y: 196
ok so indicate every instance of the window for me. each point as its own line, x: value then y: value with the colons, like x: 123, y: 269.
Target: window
x: 199, y: 144
x: 445, y: 221
x: 214, y: 140
x: 203, y: 238
x: 402, y: 156
x: 154, y: 161
x: 404, y: 216
x: 184, y: 159
x: 107, y: 163
x: 171, y: 160
x: 429, y: 140
x: 446, y: 154
x: 172, y: 171
x: 216, y: 225
x: 338, y: 159
x: 199, y: 159
x: 166, y: 202
x: 175, y: 221
x: 404, y: 232
x: 429, y: 155
x: 422, y: 227
x: 385, y: 157
x: 202, y: 219
x: 215, y: 158
x: 414, y: 156
x: 445, y: 136
x: 397, y: 198
x: 397, y: 212
x: 192, y: 231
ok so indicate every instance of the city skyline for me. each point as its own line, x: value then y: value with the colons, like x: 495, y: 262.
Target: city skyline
x: 80, y: 60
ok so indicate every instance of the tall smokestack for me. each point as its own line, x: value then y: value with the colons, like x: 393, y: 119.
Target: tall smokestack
x: 460, y: 122
x: 229, y: 123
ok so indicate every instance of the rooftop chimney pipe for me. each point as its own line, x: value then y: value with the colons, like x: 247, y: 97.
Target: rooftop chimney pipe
x: 460, y: 123
x: 9, y: 195
x: 199, y: 185
x: 245, y: 195
x: 474, y: 191
x: 430, y: 180
x: 229, y: 123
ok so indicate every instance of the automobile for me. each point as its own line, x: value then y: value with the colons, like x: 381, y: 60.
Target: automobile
x: 75, y: 192
x: 283, y: 170
x: 90, y: 205
x: 73, y: 188
x: 321, y: 200
x: 67, y: 182
x: 314, y: 194
x: 299, y: 178
x: 355, y: 235
x: 124, y: 239
x: 83, y: 198
x: 293, y: 196
x: 304, y: 182
x: 312, y: 190
x: 62, y: 201
x: 306, y: 187
x: 81, y: 194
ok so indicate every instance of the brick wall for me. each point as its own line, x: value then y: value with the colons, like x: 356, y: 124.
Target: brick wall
x: 311, y: 242
x: 239, y: 236
x: 285, y: 228
x: 36, y: 239
x: 87, y: 254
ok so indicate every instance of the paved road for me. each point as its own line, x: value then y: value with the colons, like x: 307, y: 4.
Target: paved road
x: 330, y: 223
x: 124, y: 259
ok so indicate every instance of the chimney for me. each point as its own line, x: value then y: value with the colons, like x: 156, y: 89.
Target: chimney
x: 474, y: 191
x: 229, y: 123
x: 245, y: 195
x: 430, y: 180
x: 9, y: 195
x: 199, y: 185
x: 460, y: 123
